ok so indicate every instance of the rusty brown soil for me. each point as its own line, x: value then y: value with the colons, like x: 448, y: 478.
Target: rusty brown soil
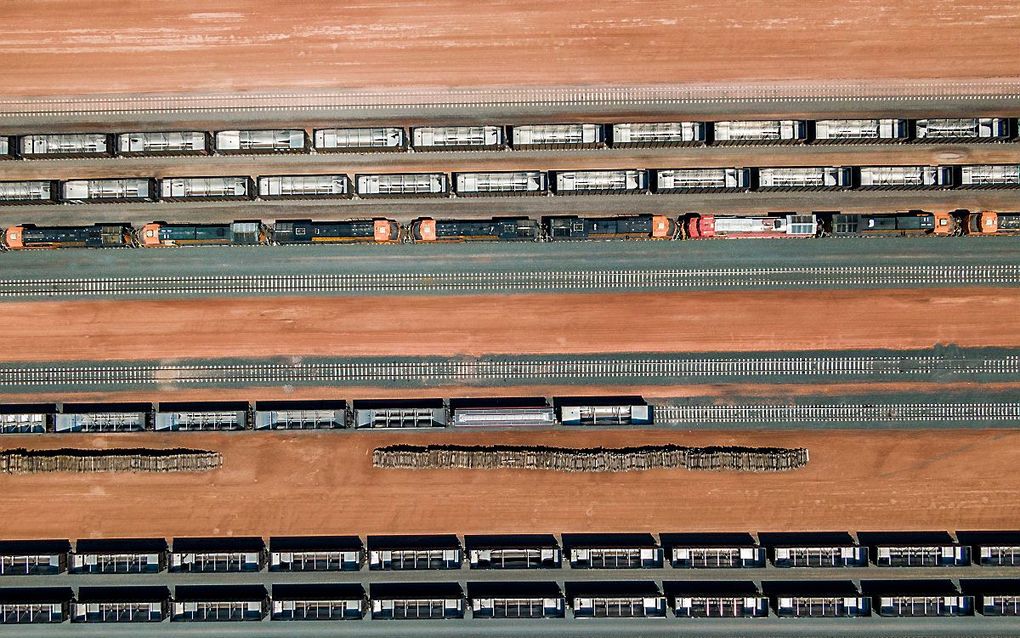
x: 316, y: 483
x: 75, y: 47
x: 541, y: 324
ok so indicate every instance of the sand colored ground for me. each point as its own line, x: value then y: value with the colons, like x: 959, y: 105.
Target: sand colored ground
x: 307, y: 483
x: 476, y: 325
x: 71, y: 47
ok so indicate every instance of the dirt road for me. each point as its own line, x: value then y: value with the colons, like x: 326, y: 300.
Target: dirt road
x: 67, y: 47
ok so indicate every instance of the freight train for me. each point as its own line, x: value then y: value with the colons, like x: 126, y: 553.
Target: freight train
x: 510, y: 183
x: 503, y: 137
x: 763, y: 567
x: 513, y: 229
x: 323, y: 415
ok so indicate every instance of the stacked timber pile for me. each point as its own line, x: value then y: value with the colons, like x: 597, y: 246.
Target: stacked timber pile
x: 23, y: 461
x: 733, y: 459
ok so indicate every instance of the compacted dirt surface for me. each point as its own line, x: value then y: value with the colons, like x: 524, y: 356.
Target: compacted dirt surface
x: 71, y: 47
x: 541, y: 324
x: 320, y: 483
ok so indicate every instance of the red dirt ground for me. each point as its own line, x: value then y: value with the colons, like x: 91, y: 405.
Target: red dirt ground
x: 625, y: 322
x: 315, y: 483
x: 75, y: 47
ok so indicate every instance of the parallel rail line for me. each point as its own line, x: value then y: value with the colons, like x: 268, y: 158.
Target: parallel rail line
x: 838, y: 413
x: 655, y: 369
x: 520, y: 281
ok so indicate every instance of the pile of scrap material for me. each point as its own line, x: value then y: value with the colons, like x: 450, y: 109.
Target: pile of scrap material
x: 731, y: 459
x: 23, y: 461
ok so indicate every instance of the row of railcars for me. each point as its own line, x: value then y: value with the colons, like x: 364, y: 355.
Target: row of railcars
x: 698, y: 550
x: 319, y: 415
x: 512, y: 183
x: 929, y: 599
x: 512, y: 229
x: 498, y: 137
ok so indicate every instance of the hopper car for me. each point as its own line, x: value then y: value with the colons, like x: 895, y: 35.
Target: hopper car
x: 164, y: 143
x: 458, y: 138
x: 359, y: 140
x: 261, y: 141
x: 30, y: 192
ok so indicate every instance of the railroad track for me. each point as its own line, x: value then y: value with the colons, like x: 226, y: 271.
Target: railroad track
x: 838, y: 413
x: 520, y: 281
x: 931, y: 365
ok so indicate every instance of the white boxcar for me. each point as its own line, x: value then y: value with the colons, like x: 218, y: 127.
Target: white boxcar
x: 403, y: 184
x: 871, y: 130
x: 64, y: 145
x: 658, y: 134
x: 272, y: 186
x: 360, y: 139
x: 962, y: 128
x: 261, y: 141
x: 687, y: 180
x: 990, y: 175
x: 611, y: 181
x: 804, y: 177
x: 504, y: 183
x: 176, y: 188
x: 875, y: 177
x: 105, y: 190
x: 435, y: 138
x: 27, y: 192
x: 760, y: 131
x: 558, y: 136
x: 162, y: 143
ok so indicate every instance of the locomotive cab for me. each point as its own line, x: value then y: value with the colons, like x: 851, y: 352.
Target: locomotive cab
x: 13, y: 237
